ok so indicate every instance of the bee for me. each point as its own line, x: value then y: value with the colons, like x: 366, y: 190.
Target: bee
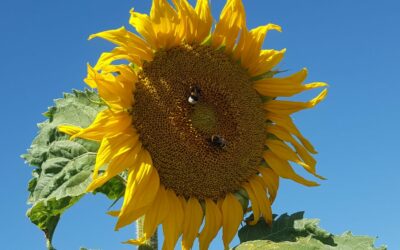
x: 218, y: 141
x: 195, y: 93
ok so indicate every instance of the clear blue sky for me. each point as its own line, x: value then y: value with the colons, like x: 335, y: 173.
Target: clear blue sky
x: 352, y: 45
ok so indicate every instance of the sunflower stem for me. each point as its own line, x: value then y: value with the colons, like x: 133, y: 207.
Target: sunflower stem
x: 152, y: 243
x: 49, y: 245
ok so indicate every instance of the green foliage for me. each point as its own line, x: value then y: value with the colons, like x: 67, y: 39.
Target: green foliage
x: 46, y: 214
x: 145, y: 247
x: 63, y: 167
x: 292, y: 232
x: 113, y: 189
x: 281, y: 230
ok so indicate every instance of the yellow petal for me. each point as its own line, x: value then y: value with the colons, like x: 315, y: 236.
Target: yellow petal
x: 256, y: 184
x: 232, y: 20
x: 271, y: 180
x: 205, y: 20
x: 143, y: 25
x: 106, y: 124
x: 118, y: 53
x: 173, y: 223
x: 254, y: 204
x: 117, y: 94
x: 92, y: 77
x: 275, y: 90
x: 120, y: 152
x: 289, y: 107
x: 191, y: 223
x: 283, y: 151
x: 110, y: 147
x: 117, y: 165
x: 232, y: 214
x: 69, y: 129
x: 130, y: 42
x: 282, y: 134
x: 286, y: 122
x: 286, y: 86
x: 213, y: 222
x: 267, y: 60
x: 139, y: 174
x: 195, y: 21
x: 188, y: 18
x: 136, y: 242
x: 114, y: 213
x: 124, y: 74
x: 284, y: 170
x: 166, y: 25
x: 250, y: 43
x: 157, y: 213
x: 293, y: 79
x: 142, y: 186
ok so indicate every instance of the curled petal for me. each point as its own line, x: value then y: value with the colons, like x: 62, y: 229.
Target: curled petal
x: 117, y: 94
x: 255, y: 207
x: 130, y: 42
x: 271, y: 180
x: 283, y: 151
x: 283, y: 169
x: 266, y: 61
x: 143, y: 25
x: 289, y: 107
x: 257, y: 186
x: 118, y: 53
x: 286, y: 122
x: 249, y: 47
x: 282, y: 134
x: 286, y: 86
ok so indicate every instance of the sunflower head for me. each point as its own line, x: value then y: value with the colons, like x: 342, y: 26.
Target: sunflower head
x: 195, y: 119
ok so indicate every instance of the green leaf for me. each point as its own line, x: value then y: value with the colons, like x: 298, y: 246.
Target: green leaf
x: 145, y: 247
x: 357, y: 242
x: 113, y: 189
x: 294, y: 232
x: 63, y: 167
x: 307, y: 243
x: 282, y: 229
x: 46, y: 214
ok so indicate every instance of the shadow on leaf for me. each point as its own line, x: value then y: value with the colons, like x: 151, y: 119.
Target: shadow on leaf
x: 286, y: 228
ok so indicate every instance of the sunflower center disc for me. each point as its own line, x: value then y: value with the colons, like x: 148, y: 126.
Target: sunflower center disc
x: 178, y: 133
x: 204, y: 117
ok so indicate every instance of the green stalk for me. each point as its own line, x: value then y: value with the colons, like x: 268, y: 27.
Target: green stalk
x: 152, y: 244
x: 49, y: 245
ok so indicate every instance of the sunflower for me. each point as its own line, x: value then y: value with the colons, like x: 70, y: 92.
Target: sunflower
x: 193, y: 117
